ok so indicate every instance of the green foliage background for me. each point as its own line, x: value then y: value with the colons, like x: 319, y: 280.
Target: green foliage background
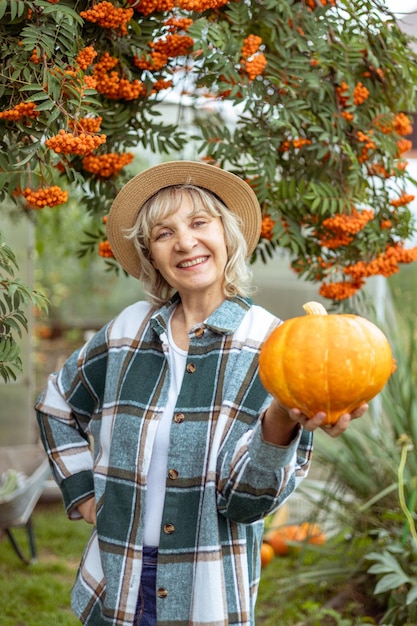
x: 312, y: 49
x: 310, y: 53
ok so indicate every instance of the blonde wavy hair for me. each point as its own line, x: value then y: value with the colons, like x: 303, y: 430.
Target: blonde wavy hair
x: 237, y: 275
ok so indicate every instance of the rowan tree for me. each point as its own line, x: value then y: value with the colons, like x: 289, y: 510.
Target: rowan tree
x: 322, y: 91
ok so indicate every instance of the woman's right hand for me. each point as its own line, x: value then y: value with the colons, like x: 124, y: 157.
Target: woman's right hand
x: 87, y: 510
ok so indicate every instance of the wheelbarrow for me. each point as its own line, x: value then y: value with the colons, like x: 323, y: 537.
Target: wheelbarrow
x: 16, y: 507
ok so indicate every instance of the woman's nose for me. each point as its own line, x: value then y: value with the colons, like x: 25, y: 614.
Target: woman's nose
x: 185, y: 240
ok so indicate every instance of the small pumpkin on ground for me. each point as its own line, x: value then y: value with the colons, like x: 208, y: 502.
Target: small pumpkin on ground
x: 314, y: 533
x: 267, y: 554
x: 291, y: 537
x: 320, y: 362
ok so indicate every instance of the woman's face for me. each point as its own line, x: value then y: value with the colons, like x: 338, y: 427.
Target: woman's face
x: 188, y: 248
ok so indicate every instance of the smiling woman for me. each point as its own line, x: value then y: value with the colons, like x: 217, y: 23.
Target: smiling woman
x: 188, y: 218
x: 188, y: 249
x: 159, y: 431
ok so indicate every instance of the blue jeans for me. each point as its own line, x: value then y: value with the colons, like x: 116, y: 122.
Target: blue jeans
x: 146, y: 607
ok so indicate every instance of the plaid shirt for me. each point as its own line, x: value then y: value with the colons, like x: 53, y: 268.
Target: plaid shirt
x: 222, y: 478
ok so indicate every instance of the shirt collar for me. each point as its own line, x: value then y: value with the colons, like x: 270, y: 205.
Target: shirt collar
x: 224, y: 320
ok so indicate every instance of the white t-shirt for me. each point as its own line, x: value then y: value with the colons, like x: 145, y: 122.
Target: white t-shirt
x: 155, y: 492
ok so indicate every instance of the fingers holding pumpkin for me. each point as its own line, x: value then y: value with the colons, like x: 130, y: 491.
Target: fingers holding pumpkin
x: 309, y: 423
x: 339, y: 427
x: 361, y: 410
x: 319, y: 420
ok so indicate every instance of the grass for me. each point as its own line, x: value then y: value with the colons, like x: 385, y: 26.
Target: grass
x: 318, y: 586
x: 39, y: 593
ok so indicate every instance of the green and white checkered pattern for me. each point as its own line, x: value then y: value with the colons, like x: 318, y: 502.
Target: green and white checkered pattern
x: 108, y: 397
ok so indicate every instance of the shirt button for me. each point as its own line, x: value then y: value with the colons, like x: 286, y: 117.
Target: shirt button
x: 199, y: 332
x: 191, y: 368
x: 162, y: 593
x: 169, y: 529
x: 179, y: 418
x: 172, y: 474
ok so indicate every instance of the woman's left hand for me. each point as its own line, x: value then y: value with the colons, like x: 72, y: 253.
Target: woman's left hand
x: 333, y: 430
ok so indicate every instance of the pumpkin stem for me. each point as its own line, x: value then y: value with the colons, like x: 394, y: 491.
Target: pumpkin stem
x: 314, y: 308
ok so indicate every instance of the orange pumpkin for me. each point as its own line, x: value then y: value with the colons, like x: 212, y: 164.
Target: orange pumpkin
x: 285, y: 539
x: 319, y: 362
x: 267, y: 553
x: 313, y: 533
x: 282, y: 538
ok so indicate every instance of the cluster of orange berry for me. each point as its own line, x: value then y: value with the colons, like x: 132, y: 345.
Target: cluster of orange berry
x: 343, y: 227
x: 156, y: 61
x: 171, y: 46
x: 385, y: 224
x: 161, y: 84
x: 199, y: 6
x: 85, y: 57
x: 369, y: 145
x: 267, y: 227
x: 255, y: 66
x: 67, y: 143
x: 23, y: 109
x: 337, y: 241
x: 402, y: 124
x: 349, y: 223
x: 146, y: 7
x: 360, y: 94
x: 86, y: 124
x: 250, y: 46
x: 111, y: 85
x: 404, y: 199
x: 347, y: 115
x: 252, y: 61
x: 313, y: 4
x: 48, y: 196
x: 297, y: 143
x: 104, y: 250
x: 106, y: 165
x: 340, y: 290
x: 386, y: 263
x: 90, y: 82
x: 108, y: 16
x: 178, y: 23
x: 342, y: 92
x: 300, y: 142
x: 404, y: 145
x: 160, y: 6
x: 34, y: 57
x: 376, y: 169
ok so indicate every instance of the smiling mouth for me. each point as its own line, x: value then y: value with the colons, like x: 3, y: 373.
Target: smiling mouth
x: 198, y: 261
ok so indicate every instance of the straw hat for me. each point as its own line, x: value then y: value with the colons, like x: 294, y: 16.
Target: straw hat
x: 234, y: 192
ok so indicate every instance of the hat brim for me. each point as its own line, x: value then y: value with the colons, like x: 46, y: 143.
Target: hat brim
x: 234, y: 192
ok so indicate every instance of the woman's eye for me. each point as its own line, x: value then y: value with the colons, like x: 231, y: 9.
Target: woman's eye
x: 198, y: 223
x: 162, y: 235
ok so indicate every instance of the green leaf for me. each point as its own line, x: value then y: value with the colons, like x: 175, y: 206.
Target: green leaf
x: 62, y: 12
x: 3, y: 7
x: 390, y: 582
x: 411, y: 595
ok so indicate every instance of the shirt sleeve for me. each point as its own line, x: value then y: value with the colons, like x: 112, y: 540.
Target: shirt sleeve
x: 257, y: 477
x: 64, y: 410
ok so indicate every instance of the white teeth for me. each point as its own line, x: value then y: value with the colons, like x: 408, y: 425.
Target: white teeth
x: 200, y: 259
